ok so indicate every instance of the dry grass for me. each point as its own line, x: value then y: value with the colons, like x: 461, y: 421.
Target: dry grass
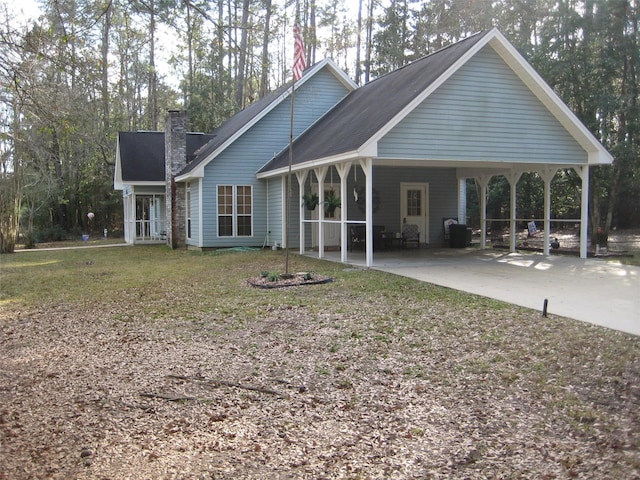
x: 146, y: 363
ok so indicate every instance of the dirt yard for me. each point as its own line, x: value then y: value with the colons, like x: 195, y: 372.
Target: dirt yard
x: 198, y: 375
x: 619, y: 242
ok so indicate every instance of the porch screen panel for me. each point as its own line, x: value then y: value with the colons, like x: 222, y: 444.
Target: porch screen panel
x: 225, y: 211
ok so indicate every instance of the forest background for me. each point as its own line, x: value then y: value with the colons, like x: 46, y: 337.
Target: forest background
x: 83, y: 70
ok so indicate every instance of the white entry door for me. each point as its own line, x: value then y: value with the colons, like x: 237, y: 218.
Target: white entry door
x: 414, y: 207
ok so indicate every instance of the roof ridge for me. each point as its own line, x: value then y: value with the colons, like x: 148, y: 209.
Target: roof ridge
x: 439, y: 50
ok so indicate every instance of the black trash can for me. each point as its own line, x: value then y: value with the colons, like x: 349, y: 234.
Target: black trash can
x: 458, y: 235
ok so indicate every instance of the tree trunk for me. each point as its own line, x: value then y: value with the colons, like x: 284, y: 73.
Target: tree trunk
x: 11, y: 187
x: 152, y: 101
x: 264, y: 76
x: 369, y: 47
x: 189, y: 88
x: 105, y: 67
x: 313, y: 35
x: 242, y: 57
x: 359, y: 44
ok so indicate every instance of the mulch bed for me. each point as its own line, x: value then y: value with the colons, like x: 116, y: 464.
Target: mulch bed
x: 292, y: 280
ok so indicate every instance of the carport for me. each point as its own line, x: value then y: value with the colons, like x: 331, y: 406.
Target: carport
x: 474, y: 109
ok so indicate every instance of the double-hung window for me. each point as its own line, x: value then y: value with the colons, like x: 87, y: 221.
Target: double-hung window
x: 235, y: 211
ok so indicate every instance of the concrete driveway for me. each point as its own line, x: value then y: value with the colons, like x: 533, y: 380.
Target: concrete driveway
x: 598, y: 291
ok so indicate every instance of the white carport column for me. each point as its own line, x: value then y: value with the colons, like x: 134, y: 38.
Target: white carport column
x: 343, y: 171
x: 513, y: 179
x: 483, y: 180
x: 367, y: 168
x: 129, y: 213
x: 462, y: 200
x: 302, y: 177
x: 321, y: 172
x: 547, y: 175
x: 584, y: 208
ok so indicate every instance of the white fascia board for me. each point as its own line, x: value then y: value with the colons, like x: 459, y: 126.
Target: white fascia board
x: 471, y: 163
x: 475, y: 172
x: 319, y: 162
x: 600, y: 157
x: 541, y: 89
x: 439, y: 163
x: 194, y: 175
x: 117, y: 174
x: 339, y: 74
x: 370, y: 152
x: 502, y: 165
x: 146, y: 184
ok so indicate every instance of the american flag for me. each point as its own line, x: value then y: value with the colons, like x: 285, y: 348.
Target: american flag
x: 299, y: 63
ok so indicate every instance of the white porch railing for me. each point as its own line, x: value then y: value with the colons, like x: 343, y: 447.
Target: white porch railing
x: 149, y: 230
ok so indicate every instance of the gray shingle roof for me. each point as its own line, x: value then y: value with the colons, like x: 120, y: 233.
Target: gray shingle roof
x: 142, y: 154
x: 365, y: 111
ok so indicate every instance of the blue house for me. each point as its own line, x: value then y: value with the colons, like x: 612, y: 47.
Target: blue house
x: 388, y: 157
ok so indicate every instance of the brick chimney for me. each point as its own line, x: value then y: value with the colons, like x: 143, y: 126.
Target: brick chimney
x: 175, y: 155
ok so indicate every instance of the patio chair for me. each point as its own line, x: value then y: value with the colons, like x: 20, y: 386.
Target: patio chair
x: 410, y: 234
x: 357, y: 237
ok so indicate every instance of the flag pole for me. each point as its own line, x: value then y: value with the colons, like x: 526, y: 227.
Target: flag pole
x: 289, y: 188
x: 299, y: 65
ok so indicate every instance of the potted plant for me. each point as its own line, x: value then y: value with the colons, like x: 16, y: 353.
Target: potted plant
x: 310, y: 200
x: 331, y: 202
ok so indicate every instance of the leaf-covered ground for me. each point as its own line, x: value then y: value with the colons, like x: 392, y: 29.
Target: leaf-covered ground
x: 146, y: 364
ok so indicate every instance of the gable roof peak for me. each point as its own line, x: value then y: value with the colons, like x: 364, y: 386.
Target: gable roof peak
x: 334, y: 68
x: 236, y: 125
